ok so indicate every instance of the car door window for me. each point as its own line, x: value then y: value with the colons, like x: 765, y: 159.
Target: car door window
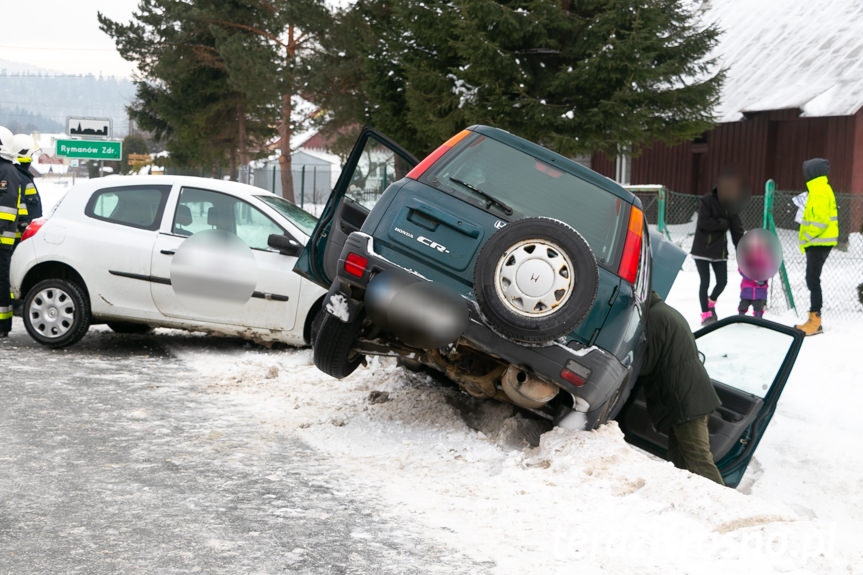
x: 745, y: 356
x: 374, y: 163
x: 199, y: 210
x: 748, y: 362
x: 377, y: 167
x: 133, y: 206
x: 253, y: 226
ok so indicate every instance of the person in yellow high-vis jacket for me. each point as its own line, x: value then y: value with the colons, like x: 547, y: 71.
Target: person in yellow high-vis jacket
x: 10, y: 201
x: 819, y: 232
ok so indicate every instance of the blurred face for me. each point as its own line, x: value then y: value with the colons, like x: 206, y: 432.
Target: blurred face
x: 759, y: 254
x: 729, y: 188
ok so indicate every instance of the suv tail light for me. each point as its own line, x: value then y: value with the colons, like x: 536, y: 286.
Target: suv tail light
x: 575, y: 373
x: 34, y: 227
x: 420, y: 168
x: 632, y: 248
x: 355, y: 264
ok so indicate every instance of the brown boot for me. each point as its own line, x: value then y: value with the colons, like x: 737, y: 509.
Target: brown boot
x: 812, y: 325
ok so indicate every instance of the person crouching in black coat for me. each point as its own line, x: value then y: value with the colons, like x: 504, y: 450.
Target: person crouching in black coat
x: 718, y: 213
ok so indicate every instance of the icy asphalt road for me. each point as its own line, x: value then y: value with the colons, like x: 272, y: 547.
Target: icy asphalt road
x: 115, y: 459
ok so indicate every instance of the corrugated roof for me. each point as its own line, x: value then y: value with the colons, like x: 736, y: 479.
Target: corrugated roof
x: 783, y: 54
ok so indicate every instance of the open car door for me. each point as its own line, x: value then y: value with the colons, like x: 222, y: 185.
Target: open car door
x: 374, y: 162
x: 749, y: 361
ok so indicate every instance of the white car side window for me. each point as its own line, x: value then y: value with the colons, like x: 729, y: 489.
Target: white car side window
x: 133, y: 206
x: 199, y: 210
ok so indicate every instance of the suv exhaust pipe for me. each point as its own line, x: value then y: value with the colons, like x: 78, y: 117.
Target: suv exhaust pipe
x: 526, y: 390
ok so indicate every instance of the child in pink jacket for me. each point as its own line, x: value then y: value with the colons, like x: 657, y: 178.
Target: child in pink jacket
x: 752, y: 294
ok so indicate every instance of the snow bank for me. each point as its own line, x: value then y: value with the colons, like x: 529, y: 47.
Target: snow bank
x: 483, y: 480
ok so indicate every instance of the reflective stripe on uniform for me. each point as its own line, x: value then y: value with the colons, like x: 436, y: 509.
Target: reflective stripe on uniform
x: 5, y: 311
x: 818, y: 241
x: 30, y: 190
x: 22, y: 210
x: 815, y: 224
x: 8, y: 217
x: 834, y: 219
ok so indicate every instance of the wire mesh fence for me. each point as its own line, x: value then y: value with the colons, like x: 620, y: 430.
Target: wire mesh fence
x: 312, y: 182
x: 675, y: 214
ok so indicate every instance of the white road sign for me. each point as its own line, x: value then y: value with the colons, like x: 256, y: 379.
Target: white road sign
x: 89, y: 127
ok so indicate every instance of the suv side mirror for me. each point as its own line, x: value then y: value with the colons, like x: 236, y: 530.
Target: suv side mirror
x: 285, y: 244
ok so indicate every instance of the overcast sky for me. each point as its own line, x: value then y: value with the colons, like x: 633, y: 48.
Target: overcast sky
x: 63, y: 35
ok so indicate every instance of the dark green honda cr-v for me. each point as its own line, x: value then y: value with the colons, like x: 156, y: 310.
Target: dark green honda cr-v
x: 516, y: 272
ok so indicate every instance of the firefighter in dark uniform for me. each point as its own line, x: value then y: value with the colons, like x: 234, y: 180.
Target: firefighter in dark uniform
x: 31, y: 202
x: 10, y: 200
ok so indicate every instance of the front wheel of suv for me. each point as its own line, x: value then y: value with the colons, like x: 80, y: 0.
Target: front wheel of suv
x: 334, y: 346
x: 535, y: 280
x: 56, y: 313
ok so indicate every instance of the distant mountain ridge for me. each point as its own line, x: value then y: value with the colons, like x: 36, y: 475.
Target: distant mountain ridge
x: 40, y: 100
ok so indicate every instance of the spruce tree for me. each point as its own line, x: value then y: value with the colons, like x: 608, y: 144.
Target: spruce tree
x: 264, y: 44
x: 184, y: 95
x: 575, y: 75
x: 219, y: 79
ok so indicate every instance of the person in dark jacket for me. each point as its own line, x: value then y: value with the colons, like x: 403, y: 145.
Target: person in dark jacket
x: 24, y: 146
x: 718, y: 213
x: 679, y: 394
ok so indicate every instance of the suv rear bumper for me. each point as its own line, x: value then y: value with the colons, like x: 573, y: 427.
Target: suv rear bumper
x: 601, y: 371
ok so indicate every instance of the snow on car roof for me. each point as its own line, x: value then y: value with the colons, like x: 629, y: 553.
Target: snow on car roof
x: 784, y: 54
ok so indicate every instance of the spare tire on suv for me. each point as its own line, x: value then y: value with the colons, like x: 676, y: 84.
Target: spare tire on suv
x: 535, y: 280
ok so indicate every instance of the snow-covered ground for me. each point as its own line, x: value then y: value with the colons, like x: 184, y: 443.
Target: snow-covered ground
x: 482, y: 480
x: 578, y: 502
x: 52, y: 190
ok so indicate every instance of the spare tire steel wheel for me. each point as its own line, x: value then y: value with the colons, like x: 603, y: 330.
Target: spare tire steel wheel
x: 535, y: 280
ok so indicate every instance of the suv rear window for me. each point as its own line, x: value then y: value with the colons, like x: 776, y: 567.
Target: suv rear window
x: 531, y: 187
x: 134, y: 206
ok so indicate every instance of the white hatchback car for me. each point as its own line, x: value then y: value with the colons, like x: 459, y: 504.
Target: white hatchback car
x: 107, y: 255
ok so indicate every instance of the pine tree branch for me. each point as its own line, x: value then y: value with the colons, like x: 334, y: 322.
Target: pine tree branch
x: 251, y: 29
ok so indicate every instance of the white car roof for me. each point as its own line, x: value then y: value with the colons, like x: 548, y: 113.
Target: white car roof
x: 234, y: 188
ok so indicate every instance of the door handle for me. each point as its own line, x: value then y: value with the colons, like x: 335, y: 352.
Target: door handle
x: 167, y: 252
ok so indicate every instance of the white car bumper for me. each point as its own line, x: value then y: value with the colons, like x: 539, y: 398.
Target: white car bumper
x: 22, y: 259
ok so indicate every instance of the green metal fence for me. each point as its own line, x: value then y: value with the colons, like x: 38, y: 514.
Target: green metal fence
x: 674, y: 215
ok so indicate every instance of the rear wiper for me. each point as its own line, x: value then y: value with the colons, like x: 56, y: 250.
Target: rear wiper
x: 491, y: 199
